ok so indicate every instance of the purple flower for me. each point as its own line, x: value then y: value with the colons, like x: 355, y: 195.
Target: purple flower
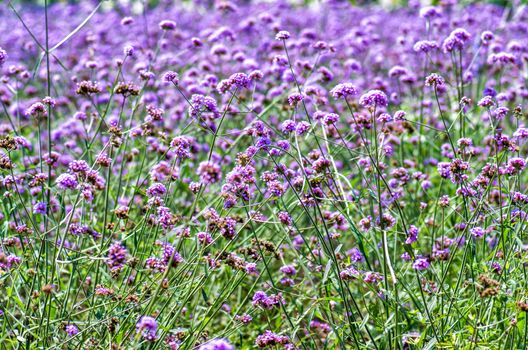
x: 37, y: 109
x: 3, y: 56
x: 486, y: 37
x: 420, y: 263
x: 71, y: 330
x: 116, y: 256
x: 413, y: 234
x: 456, y: 40
x: 40, y: 208
x: 374, y: 98
x: 167, y: 25
x: 429, y: 12
x: 217, y: 344
x: 344, y: 90
x: 355, y: 255
x: 171, y: 77
x: 295, y: 98
x: 67, y: 181
x: 282, y: 35
x: 147, y: 327
x: 434, y: 80
x: 209, y: 172
x: 156, y: 189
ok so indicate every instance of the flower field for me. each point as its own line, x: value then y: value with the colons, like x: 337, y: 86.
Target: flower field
x: 243, y: 175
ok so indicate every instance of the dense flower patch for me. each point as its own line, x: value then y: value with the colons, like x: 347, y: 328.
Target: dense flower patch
x: 238, y: 176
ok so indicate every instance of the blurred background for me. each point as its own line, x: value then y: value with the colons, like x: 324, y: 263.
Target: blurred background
x: 384, y: 3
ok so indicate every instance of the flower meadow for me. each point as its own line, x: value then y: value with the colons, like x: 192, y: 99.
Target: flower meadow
x: 224, y: 175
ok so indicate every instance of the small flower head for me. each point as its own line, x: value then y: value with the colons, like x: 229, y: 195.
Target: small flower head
x: 71, y: 330
x: 171, y: 77
x: 344, y: 90
x: 282, y: 35
x: 167, y: 25
x: 147, y: 327
x: 217, y: 344
x: 374, y: 98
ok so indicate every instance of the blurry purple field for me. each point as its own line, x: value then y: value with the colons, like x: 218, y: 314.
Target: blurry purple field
x: 240, y: 176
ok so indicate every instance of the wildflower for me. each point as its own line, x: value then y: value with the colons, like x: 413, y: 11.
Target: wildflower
x: 116, y: 256
x: 501, y: 59
x: 217, y: 344
x: 456, y: 40
x: 3, y: 56
x: 295, y: 98
x: 270, y: 339
x: 374, y: 98
x: 245, y: 318
x: 147, y: 327
x: 126, y: 89
x: 486, y: 37
x: 420, y: 263
x: 282, y: 35
x: 372, y: 277
x: 302, y: 128
x: 288, y: 126
x: 288, y: 270
x: 425, y: 46
x: 209, y: 172
x: 71, y: 330
x: 237, y: 80
x: 125, y: 21
x: 413, y: 235
x: 434, y: 80
x: 40, y: 208
x: 167, y: 25
x: 486, y: 101
x: 157, y: 189
x: 67, y: 181
x: 202, y: 106
x: 171, y: 77
x: 477, y: 232
x: 37, y: 110
x: 430, y: 12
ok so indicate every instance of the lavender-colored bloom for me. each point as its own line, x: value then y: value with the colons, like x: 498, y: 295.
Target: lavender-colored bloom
x: 486, y: 101
x: 217, y: 344
x: 171, y: 77
x: 434, y: 80
x: 374, y: 98
x: 355, y: 255
x: 167, y: 25
x: 344, y: 90
x: 71, y: 330
x: 37, y: 109
x: 413, y: 235
x: 40, y: 208
x: 295, y: 98
x: 430, y: 12
x: 129, y: 50
x: 156, y: 189
x: 486, y: 37
x: 3, y: 56
x: 302, y: 128
x: 456, y: 40
x: 209, y: 172
x: 67, y: 181
x: 282, y: 35
x: 501, y: 59
x: 425, y: 46
x: 116, y: 256
x: 420, y: 264
x: 477, y: 232
x: 147, y: 327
